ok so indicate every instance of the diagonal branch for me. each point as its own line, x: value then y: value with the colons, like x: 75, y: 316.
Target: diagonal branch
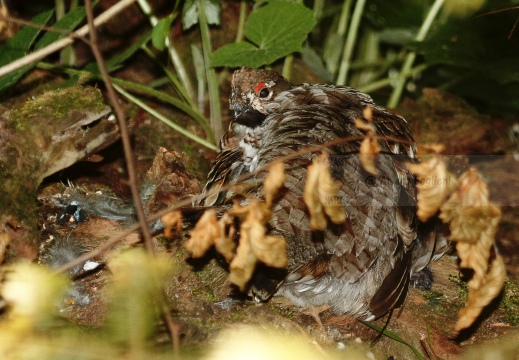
x: 60, y: 44
x: 125, y: 135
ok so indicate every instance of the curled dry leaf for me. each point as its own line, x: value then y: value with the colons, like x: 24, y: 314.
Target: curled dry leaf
x: 367, y: 113
x: 204, y: 235
x: 225, y: 244
x: 172, y: 222
x: 254, y: 245
x: 320, y: 194
x: 369, y: 148
x: 482, y: 296
x: 311, y: 196
x: 469, y: 210
x: 243, y: 265
x: 473, y: 221
x: 434, y: 184
x: 274, y: 181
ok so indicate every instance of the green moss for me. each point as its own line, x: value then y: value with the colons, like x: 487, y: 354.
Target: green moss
x: 432, y: 296
x: 510, y: 302
x: 57, y: 104
x: 463, y: 288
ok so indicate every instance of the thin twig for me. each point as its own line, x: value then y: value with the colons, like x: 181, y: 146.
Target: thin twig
x: 14, y: 20
x: 187, y: 202
x: 60, y: 44
x: 123, y: 128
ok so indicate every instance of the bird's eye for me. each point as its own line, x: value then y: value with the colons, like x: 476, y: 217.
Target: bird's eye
x: 263, y: 93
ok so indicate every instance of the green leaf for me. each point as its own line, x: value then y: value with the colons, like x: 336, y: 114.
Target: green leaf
x: 189, y: 14
x: 212, y: 12
x: 160, y: 33
x: 18, y: 46
x: 276, y: 30
x: 191, y: 9
x: 67, y: 22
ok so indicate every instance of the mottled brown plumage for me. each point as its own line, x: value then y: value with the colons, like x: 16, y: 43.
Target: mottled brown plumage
x: 363, y: 266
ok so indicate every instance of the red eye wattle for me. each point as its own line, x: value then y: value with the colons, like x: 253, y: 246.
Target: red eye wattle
x: 262, y: 90
x: 258, y: 87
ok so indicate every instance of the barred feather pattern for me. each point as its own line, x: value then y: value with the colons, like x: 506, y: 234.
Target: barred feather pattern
x: 361, y: 267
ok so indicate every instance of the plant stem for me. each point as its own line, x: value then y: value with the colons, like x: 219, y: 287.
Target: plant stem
x: 396, y: 94
x: 240, y: 34
x: 173, y: 54
x: 59, y: 5
x: 350, y: 42
x: 375, y: 85
x: 287, y: 66
x: 215, y: 118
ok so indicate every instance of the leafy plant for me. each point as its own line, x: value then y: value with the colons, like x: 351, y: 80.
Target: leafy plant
x: 274, y: 30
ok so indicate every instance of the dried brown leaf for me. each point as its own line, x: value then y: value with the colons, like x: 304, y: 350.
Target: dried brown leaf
x: 254, y: 245
x: 271, y: 250
x: 243, y: 265
x: 364, y: 126
x: 311, y: 196
x: 469, y: 210
x: 434, y: 184
x: 473, y: 221
x: 480, y: 297
x: 225, y: 244
x: 172, y: 222
x: 367, y: 113
x: 320, y: 194
x: 274, y: 181
x: 369, y: 149
x: 204, y: 235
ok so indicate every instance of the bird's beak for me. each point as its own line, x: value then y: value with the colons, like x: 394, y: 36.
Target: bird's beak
x: 238, y: 110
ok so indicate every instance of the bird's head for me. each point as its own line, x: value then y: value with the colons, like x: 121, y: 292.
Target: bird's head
x: 252, y: 90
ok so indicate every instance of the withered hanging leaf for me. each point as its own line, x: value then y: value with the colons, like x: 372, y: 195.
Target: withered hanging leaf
x: 271, y: 250
x: 204, y: 235
x: 369, y: 149
x: 480, y: 297
x: 320, y: 194
x: 435, y: 183
x: 367, y: 113
x: 473, y: 221
x: 254, y: 245
x: 225, y: 244
x: 243, y: 264
x: 274, y: 181
x: 469, y: 210
x: 172, y: 222
x: 311, y: 196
